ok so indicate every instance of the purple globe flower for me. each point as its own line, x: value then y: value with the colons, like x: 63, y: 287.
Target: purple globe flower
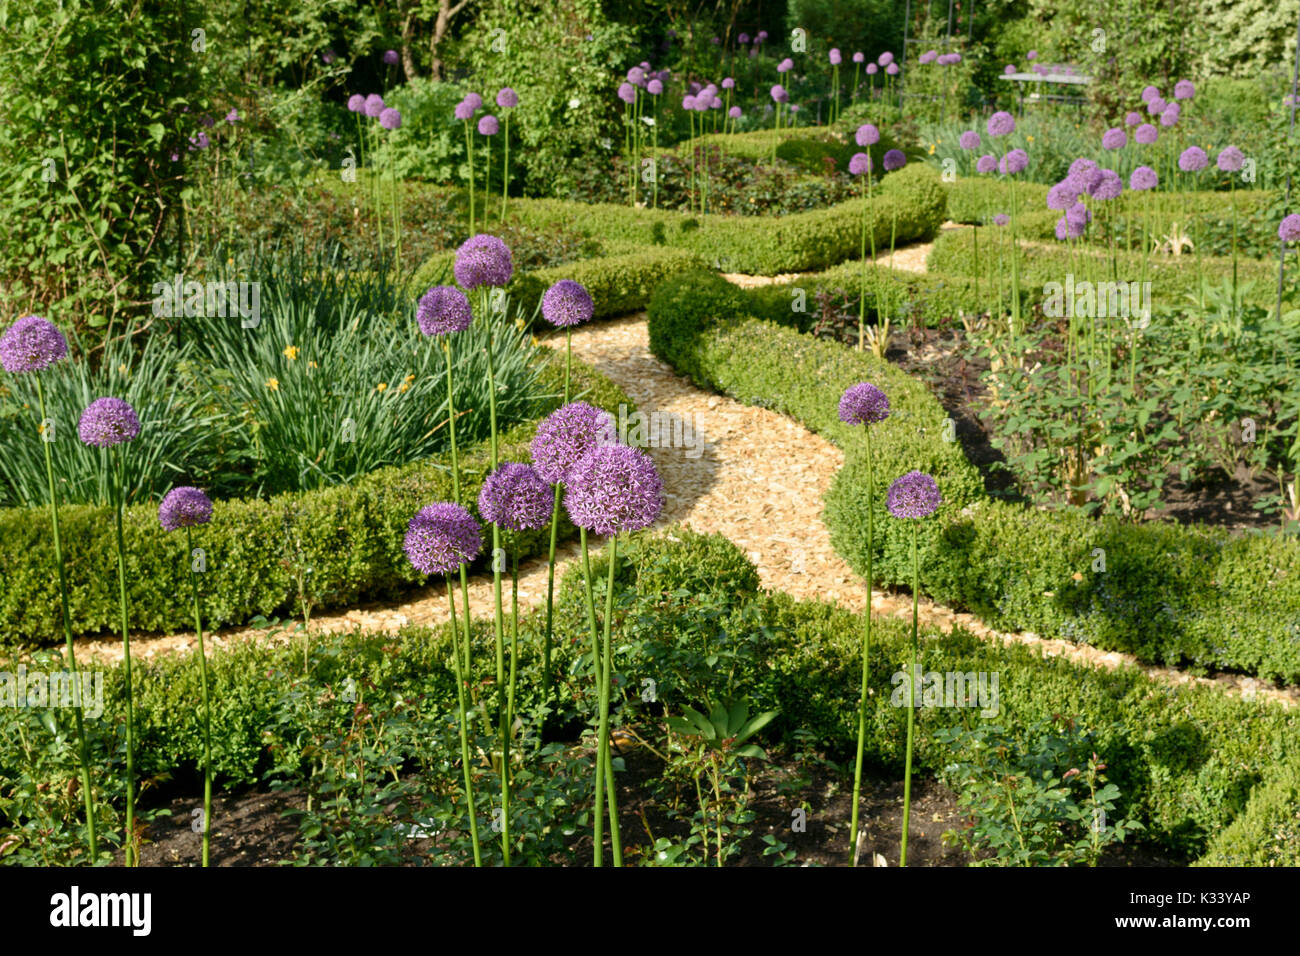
x: 1064, y: 194
x: 1001, y: 123
x: 836, y: 59
x: 1144, y: 177
x: 373, y: 106
x: 1184, y: 90
x: 1169, y: 115
x: 1146, y: 134
x: 627, y: 93
x: 488, y: 125
x: 885, y: 58
x: 762, y: 36
x: 914, y: 495
x: 1063, y: 229
x: 1009, y: 68
x: 1132, y: 118
x: 233, y: 116
x: 892, y: 69
x: 779, y: 94
x: 688, y: 103
x: 483, y: 260
x: 969, y: 140
x: 654, y: 87
x: 567, y: 303
x: 636, y: 76
x: 200, y: 140
x: 442, y: 310
x: 954, y: 58
x: 464, y: 111
x: 986, y: 163
x: 717, y: 103
x: 785, y: 66
x: 1193, y: 159
x: 1114, y: 138
x: 31, y: 344
x: 184, y: 507
x: 1149, y: 93
x: 867, y: 135
x: 1156, y: 105
x: 1288, y: 230
x: 507, y: 98
x: 441, y: 538
x: 859, y: 163
x: 894, y: 159
x: 1016, y: 161
x: 1001, y: 219
x: 743, y: 39
x: 734, y: 112
x: 872, y: 69
x: 728, y: 83
x: 863, y: 404
x: 1078, y: 216
x: 794, y: 107
x: 107, y: 422
x: 1230, y: 160
x: 516, y: 498
x: 475, y: 101
x: 567, y: 434
x: 614, y: 488
x: 1031, y: 55
x: 390, y: 57
x: 1105, y: 184
x: 859, y: 57
x: 929, y: 56
x: 356, y: 103
x: 390, y: 118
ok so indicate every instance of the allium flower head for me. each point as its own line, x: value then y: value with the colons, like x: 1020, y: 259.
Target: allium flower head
x: 1132, y: 118
x: 507, y: 98
x: 969, y: 140
x: 929, y: 56
x: 483, y: 260
x: 734, y: 112
x: 1001, y: 219
x: 1105, y: 184
x: 885, y: 58
x: 986, y: 163
x: 894, y: 159
x: 441, y: 538
x: 717, y: 103
x: 688, y: 103
x: 1146, y: 134
x: 442, y: 310
x: 475, y: 101
x: 31, y: 344
x: 654, y: 87
x: 859, y: 163
x: 1149, y: 93
x: 785, y: 66
x: 867, y: 135
x: 1114, y: 138
x: 1031, y: 55
x: 1230, y: 159
x: 1001, y: 123
x: 1184, y: 90
x: 872, y: 69
x: 1063, y: 229
x: 779, y: 94
x: 728, y: 83
x: 567, y: 303
x: 636, y: 76
x: 1169, y: 115
x: 390, y: 118
x: 373, y: 106
x: 1156, y: 105
x: 1078, y: 216
x: 184, y: 507
x: 614, y: 488
x: 516, y: 498
x: 627, y: 93
x: 914, y: 495
x: 107, y: 422
x: 743, y: 39
x: 1064, y: 194
x: 835, y: 56
x: 1288, y: 230
x: 1193, y: 159
x: 762, y: 35
x: 1144, y: 177
x: 390, y: 57
x: 463, y: 110
x: 566, y: 435
x: 488, y: 125
x: 356, y: 103
x: 863, y: 404
x: 892, y: 69
x: 233, y: 116
x: 859, y: 57
x: 1009, y: 68
x: 1015, y: 161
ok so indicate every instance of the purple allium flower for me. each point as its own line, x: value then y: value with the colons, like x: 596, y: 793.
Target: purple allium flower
x: 1031, y: 55
x: 836, y: 59
x: 872, y: 69
x: 1078, y: 216
x: 567, y: 303
x: 1009, y: 68
x: 441, y: 538
x: 716, y: 41
x: 373, y: 106
x: 464, y: 111
x: 1063, y: 229
x: 1146, y: 134
x: 1184, y: 90
x: 859, y: 163
x: 785, y: 66
x: 1001, y: 219
x: 779, y: 94
x: 1064, y: 194
x: 636, y: 76
x: 728, y: 83
x: 717, y: 103
x: 329, y: 56
x: 356, y: 103
x: 507, y: 98
x: 1132, y: 118
x: 928, y: 56
x: 233, y: 116
x: 390, y: 118
x: 107, y: 422
x: 794, y: 107
x: 613, y: 488
x: 915, y: 495
x: 743, y: 39
x: 894, y: 159
x: 488, y: 125
x: 1040, y: 69
x: 200, y: 140
x: 1001, y: 123
x: 475, y: 101
x: 627, y: 93
x: 184, y: 507
x: 1105, y: 184
x: 885, y: 58
x: 1156, y: 105
x: 986, y: 163
x: 762, y: 36
x: 31, y: 344
x: 892, y: 69
x: 1114, y: 138
x: 954, y: 58
x: 483, y: 260
x: 516, y: 498
x: 1170, y: 115
x: 688, y: 103
x: 1149, y: 93
x: 1288, y: 229
x: 654, y: 87
x: 859, y: 57
x: 1144, y: 177
x: 390, y: 57
x: 566, y: 435
x: 867, y: 135
x: 863, y: 404
x: 734, y: 112
x: 1016, y: 161
x: 1230, y: 160
x: 1193, y: 159
x: 443, y: 309
x: 969, y: 140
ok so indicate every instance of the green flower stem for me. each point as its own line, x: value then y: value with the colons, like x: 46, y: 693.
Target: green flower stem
x: 1015, y: 263
x: 862, y: 279
x: 207, y: 705
x: 464, y: 740
x: 866, y: 644
x: 83, y: 756
x: 607, y: 671
x: 469, y: 153
x: 555, y: 529
x: 487, y: 175
x: 911, y: 701
x: 603, y: 768
x: 505, y: 164
x: 455, y: 493
x: 376, y: 193
x: 131, y: 851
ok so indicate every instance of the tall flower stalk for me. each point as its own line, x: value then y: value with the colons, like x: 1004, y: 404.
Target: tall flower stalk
x: 507, y: 99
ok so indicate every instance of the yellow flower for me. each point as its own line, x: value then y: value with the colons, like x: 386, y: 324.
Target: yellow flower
x: 381, y: 386
x: 1029, y: 139
x: 404, y: 387
x: 291, y: 352
x: 121, y: 369
x: 932, y: 149
x: 273, y: 384
x: 311, y: 365
x: 410, y: 378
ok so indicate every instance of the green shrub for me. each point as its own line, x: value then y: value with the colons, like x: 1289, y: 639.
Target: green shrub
x: 1267, y: 832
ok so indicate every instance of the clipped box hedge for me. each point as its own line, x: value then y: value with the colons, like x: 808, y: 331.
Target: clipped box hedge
x: 1168, y: 594
x: 350, y: 537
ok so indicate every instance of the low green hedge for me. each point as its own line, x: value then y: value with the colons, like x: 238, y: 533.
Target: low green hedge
x: 1168, y: 594
x: 1267, y: 832
x: 349, y: 536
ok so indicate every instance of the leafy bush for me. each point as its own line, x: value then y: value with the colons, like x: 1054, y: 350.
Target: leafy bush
x: 1267, y: 831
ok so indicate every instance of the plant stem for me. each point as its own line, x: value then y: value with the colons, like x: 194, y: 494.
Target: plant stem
x: 496, y: 592
x: 866, y: 644
x: 911, y: 701
x: 464, y: 740
x: 132, y: 853
x: 207, y: 705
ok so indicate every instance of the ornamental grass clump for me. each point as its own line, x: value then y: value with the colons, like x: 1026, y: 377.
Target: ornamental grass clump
x: 110, y: 423
x: 913, y: 496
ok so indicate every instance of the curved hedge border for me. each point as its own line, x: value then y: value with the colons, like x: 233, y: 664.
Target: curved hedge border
x: 350, y: 537
x: 1169, y: 594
